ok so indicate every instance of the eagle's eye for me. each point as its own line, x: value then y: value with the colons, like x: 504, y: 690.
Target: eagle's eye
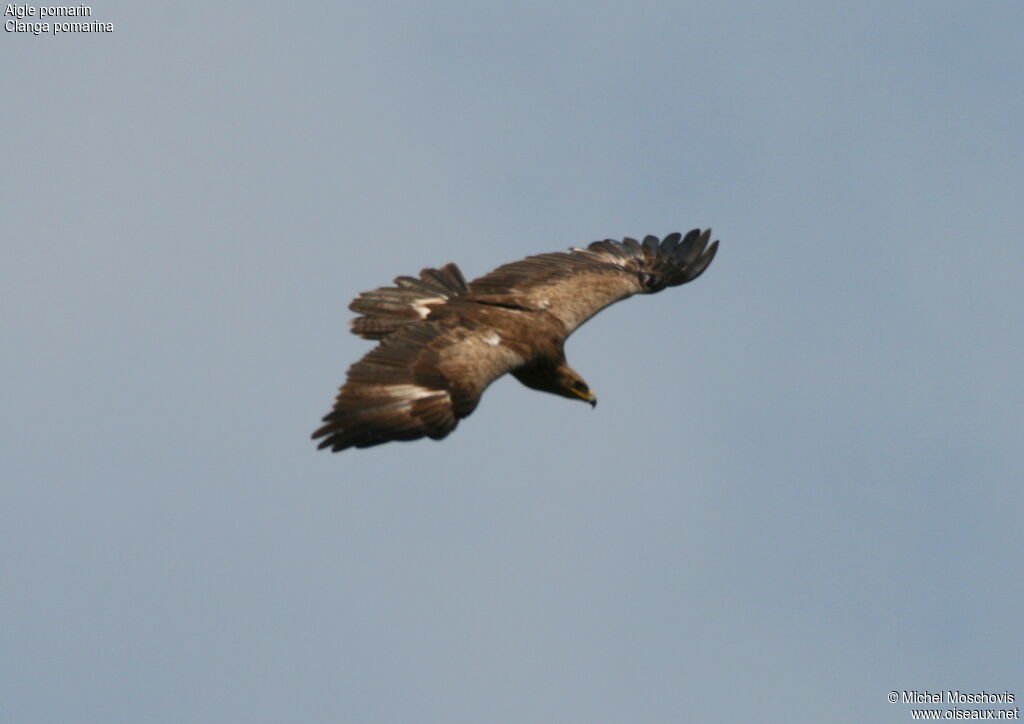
x: 579, y: 386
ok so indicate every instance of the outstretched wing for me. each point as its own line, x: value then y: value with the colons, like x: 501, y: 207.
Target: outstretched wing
x: 577, y: 285
x: 418, y: 382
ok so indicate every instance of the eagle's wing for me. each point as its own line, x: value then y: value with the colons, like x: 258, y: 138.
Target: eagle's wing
x: 386, y: 309
x: 418, y: 382
x: 577, y: 285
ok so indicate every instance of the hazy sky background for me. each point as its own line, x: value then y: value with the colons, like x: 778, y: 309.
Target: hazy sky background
x: 801, y: 488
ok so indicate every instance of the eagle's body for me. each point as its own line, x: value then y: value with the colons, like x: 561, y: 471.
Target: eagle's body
x: 443, y: 341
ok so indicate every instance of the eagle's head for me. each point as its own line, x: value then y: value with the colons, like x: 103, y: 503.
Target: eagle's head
x: 569, y: 384
x: 558, y: 379
x: 578, y: 389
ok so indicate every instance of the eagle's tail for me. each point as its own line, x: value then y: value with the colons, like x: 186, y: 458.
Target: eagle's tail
x: 386, y: 309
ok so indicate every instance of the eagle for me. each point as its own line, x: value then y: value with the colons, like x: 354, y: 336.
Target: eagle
x: 443, y: 341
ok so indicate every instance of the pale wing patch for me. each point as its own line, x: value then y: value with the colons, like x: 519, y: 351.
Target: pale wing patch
x: 422, y: 306
x: 600, y: 256
x: 377, y: 399
x: 492, y: 338
x: 412, y: 392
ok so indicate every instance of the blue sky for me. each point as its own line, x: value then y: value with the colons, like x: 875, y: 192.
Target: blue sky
x: 801, y: 489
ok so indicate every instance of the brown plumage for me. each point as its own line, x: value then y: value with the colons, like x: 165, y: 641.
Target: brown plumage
x: 443, y: 341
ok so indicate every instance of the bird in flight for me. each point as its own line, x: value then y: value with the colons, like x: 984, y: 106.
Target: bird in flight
x: 443, y: 341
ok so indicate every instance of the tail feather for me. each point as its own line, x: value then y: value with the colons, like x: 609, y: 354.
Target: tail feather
x: 386, y: 309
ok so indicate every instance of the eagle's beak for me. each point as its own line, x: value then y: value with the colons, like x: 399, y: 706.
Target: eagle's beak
x: 589, y: 397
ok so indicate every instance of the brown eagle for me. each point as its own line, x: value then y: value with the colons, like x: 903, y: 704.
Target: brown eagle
x: 443, y: 341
